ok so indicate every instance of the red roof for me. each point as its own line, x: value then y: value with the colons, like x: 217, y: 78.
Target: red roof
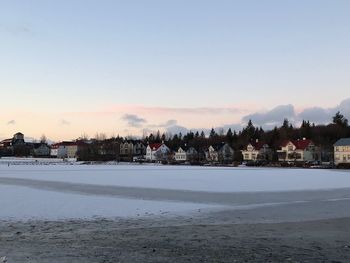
x: 155, y: 146
x: 66, y: 143
x: 258, y: 145
x: 299, y: 144
x: 302, y: 144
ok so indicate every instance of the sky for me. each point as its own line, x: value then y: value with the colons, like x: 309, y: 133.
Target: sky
x: 74, y: 67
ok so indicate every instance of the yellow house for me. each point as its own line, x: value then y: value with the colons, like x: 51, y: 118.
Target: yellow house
x: 342, y: 151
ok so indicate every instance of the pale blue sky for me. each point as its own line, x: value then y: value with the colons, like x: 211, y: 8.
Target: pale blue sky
x: 83, y: 55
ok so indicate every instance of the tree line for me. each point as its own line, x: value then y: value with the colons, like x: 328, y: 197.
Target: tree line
x: 322, y: 135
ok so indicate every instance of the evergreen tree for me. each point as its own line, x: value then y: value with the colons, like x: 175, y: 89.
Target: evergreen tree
x: 340, y: 120
x: 212, y: 133
x: 158, y: 139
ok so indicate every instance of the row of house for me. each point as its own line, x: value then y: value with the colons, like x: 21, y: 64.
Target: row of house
x: 297, y: 151
x: 302, y: 150
x: 219, y: 153
x: 17, y: 146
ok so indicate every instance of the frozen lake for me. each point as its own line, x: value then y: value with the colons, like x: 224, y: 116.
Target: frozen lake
x: 210, y: 179
x: 88, y: 191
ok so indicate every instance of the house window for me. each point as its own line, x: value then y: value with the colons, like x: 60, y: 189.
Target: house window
x: 246, y: 156
x: 290, y: 148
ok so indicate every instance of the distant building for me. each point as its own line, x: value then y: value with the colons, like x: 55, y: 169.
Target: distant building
x: 139, y: 148
x: 298, y: 151
x: 41, y: 149
x: 157, y: 152
x: 6, y: 143
x: 132, y: 148
x: 257, y: 151
x: 126, y: 150
x: 220, y: 153
x: 226, y: 154
x: 14, y: 146
x: 18, y: 139
x: 181, y: 154
x: 212, y: 154
x: 67, y: 149
x: 342, y: 151
x: 192, y: 155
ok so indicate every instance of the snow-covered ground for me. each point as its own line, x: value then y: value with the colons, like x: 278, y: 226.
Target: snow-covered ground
x: 20, y: 201
x: 210, y: 179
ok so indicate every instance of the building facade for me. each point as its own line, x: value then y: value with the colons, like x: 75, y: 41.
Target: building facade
x: 342, y: 151
x: 157, y: 152
x: 298, y: 151
x: 257, y: 151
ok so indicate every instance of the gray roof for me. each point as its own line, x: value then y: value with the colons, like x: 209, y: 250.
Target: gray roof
x: 343, y: 142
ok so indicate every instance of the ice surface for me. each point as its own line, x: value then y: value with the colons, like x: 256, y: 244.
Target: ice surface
x: 212, y: 179
x: 21, y: 203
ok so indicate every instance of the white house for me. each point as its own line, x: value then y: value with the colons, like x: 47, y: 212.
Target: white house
x: 192, y: 154
x: 257, y: 151
x: 58, y: 150
x: 126, y: 148
x: 342, y: 151
x: 212, y: 154
x: 298, y: 150
x: 41, y: 149
x: 157, y: 152
x: 226, y: 153
x: 181, y: 155
x: 66, y: 149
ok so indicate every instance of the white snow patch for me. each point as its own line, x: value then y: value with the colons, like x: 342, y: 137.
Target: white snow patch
x: 21, y: 203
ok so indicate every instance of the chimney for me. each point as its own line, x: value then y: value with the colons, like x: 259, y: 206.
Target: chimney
x: 257, y: 140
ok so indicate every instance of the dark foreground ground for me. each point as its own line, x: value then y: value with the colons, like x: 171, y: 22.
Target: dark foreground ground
x: 304, y: 226
x: 123, y: 241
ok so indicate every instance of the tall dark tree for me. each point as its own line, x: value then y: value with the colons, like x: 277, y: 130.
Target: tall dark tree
x: 340, y: 120
x: 212, y: 133
x: 229, y: 134
x: 158, y: 138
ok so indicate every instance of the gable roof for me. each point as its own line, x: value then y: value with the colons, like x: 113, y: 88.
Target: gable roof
x: 184, y: 148
x: 155, y: 146
x: 258, y: 145
x: 68, y: 143
x: 6, y: 141
x: 299, y: 144
x: 302, y: 144
x: 284, y: 143
x: 343, y: 142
